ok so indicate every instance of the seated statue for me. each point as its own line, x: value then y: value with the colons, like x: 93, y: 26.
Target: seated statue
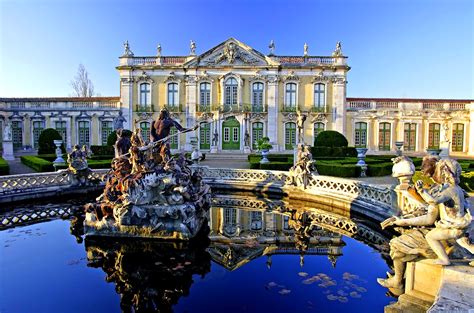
x: 446, y: 218
x: 78, y: 167
x: 304, y: 167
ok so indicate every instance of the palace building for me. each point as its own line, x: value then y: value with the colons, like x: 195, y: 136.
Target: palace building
x: 238, y: 95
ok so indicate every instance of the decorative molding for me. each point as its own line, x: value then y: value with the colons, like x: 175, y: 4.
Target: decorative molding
x: 172, y: 77
x: 38, y: 116
x: 83, y: 116
x: 258, y: 116
x: 191, y: 79
x: 144, y: 77
x: 273, y: 79
x: 320, y: 77
x: 205, y: 77
x: 289, y: 116
x: 292, y: 77
x: 258, y: 77
x: 319, y: 117
x: 230, y: 53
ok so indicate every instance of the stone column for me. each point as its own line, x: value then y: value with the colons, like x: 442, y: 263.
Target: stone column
x: 126, y: 98
x: 190, y: 110
x: 339, y: 105
x: 272, y: 105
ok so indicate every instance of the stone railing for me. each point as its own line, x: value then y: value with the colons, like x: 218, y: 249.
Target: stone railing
x: 350, y: 190
x: 66, y: 105
x: 395, y: 104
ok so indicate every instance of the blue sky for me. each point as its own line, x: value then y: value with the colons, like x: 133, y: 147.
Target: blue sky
x: 405, y: 48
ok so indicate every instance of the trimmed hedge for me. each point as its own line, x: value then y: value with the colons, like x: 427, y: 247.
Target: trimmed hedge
x: 102, y: 150
x: 318, y: 152
x: 276, y: 166
x: 37, y: 163
x: 467, y: 180
x: 112, y: 138
x: 46, y: 141
x: 4, y: 167
x: 338, y: 170
x: 330, y: 138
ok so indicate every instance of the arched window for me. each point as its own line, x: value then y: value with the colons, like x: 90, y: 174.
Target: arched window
x: 458, y: 137
x: 290, y: 97
x: 230, y: 220
x: 257, y: 133
x: 204, y: 97
x: 257, y: 97
x: 145, y: 130
x: 37, y: 129
x: 230, y: 94
x: 433, y: 135
x: 84, y: 133
x: 145, y: 94
x: 360, y: 135
x: 318, y: 127
x: 290, y: 135
x: 384, y: 136
x: 172, y: 95
x: 319, y: 97
x: 409, y: 137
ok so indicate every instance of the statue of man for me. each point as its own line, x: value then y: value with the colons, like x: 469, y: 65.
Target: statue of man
x: 7, y: 131
x: 192, y: 47
x: 119, y: 120
x: 300, y: 124
x: 158, y: 50
x: 271, y: 46
x: 305, y: 49
x: 161, y: 129
x: 215, y: 138
x: 247, y: 139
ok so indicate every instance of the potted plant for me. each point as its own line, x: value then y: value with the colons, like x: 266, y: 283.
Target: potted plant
x: 263, y: 145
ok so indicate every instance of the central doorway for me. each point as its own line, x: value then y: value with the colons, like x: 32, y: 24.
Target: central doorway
x: 231, y: 134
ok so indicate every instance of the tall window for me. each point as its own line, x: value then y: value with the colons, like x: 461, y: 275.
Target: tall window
x: 458, y: 137
x: 84, y: 133
x: 37, y: 129
x: 205, y: 136
x: 174, y: 138
x: 230, y: 93
x: 145, y: 94
x: 360, y: 139
x: 319, y: 97
x: 61, y: 127
x: 318, y: 127
x: 145, y: 130
x: 106, y: 131
x: 290, y: 97
x: 257, y: 97
x: 433, y: 135
x: 255, y: 220
x: 290, y: 135
x: 204, y: 96
x: 17, y: 134
x: 257, y: 133
x: 173, y: 95
x: 409, y: 136
x: 384, y: 136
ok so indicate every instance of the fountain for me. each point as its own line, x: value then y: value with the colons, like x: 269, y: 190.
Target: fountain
x: 148, y: 193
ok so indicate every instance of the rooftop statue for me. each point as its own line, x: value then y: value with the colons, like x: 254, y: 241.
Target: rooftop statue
x: 119, y: 120
x: 127, y: 52
x: 436, y: 213
x: 149, y: 194
x: 271, y: 46
x: 305, y: 49
x: 192, y: 48
x: 338, y: 51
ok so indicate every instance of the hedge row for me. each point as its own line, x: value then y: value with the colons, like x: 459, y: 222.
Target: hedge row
x: 467, y: 180
x: 102, y: 150
x: 43, y: 165
x: 333, y: 151
x: 4, y: 167
x: 348, y: 168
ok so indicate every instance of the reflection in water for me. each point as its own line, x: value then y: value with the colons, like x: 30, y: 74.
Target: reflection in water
x: 149, y: 275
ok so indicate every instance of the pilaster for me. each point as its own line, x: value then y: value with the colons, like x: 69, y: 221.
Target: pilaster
x: 272, y: 104
x: 339, y: 104
x: 190, y: 109
x: 470, y: 137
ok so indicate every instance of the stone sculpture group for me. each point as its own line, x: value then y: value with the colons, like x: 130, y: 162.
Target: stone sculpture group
x: 437, y: 217
x: 148, y: 192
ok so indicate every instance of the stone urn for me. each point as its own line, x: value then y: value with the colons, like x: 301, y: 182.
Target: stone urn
x: 265, y: 156
x: 59, y: 153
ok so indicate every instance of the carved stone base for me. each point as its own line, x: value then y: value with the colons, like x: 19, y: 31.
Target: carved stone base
x: 247, y: 149
x: 175, y: 222
x: 213, y: 149
x: 8, y: 151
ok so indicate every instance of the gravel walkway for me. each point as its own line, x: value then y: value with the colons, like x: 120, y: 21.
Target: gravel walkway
x: 16, y: 167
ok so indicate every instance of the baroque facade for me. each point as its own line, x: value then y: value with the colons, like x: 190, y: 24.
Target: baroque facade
x: 238, y: 95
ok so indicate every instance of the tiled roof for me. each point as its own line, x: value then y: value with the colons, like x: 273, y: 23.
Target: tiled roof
x: 411, y: 100
x: 61, y: 99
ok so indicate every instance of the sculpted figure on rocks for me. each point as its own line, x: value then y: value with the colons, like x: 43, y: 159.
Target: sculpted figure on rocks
x: 446, y: 218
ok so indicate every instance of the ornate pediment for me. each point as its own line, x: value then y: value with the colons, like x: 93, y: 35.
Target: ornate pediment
x: 292, y: 76
x: 231, y: 52
x: 144, y: 77
x: 172, y: 77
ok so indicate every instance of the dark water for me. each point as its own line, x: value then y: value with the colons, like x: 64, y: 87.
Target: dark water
x: 43, y: 268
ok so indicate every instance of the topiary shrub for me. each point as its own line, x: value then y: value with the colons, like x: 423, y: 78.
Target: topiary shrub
x: 4, y: 167
x: 113, y: 136
x: 46, y: 141
x: 330, y: 138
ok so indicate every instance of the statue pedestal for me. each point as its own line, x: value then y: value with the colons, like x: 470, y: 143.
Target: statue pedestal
x: 8, y: 150
x: 247, y: 149
x: 213, y: 149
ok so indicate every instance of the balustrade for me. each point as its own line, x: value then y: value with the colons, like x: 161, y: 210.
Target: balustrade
x: 359, y: 105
